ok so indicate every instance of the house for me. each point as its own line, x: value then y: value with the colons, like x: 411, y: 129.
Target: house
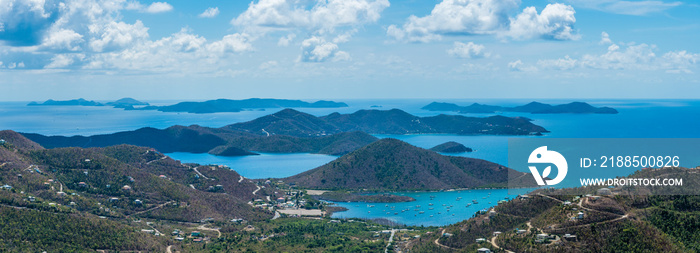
x: 570, y: 237
x: 447, y: 235
x: 497, y: 233
x: 604, y: 192
x: 492, y: 214
x: 126, y: 188
x: 2, y: 141
x: 31, y: 199
x: 580, y: 215
x: 163, y: 176
x: 61, y: 194
x: 280, y: 200
x: 483, y: 250
x: 179, y: 238
x: 138, y: 202
x: 542, y: 236
x: 195, y: 233
x: 567, y: 203
x: 73, y: 204
x: 82, y: 184
x: 520, y: 231
x: 480, y: 240
x: 525, y: 196
x: 6, y: 187
x: 113, y: 199
x: 197, y: 240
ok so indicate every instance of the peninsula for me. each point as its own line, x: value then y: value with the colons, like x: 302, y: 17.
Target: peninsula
x: 532, y: 107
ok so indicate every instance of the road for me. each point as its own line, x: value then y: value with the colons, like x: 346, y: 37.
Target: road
x: 155, y: 207
x: 437, y: 241
x: 256, y: 190
x: 203, y: 227
x: 149, y: 162
x: 200, y: 174
x: 277, y: 215
x: 493, y: 242
x: 391, y: 239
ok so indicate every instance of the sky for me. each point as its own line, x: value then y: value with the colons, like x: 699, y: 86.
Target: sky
x: 335, y: 49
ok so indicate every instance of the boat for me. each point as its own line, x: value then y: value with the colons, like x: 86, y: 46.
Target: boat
x: 431, y: 208
x: 396, y: 213
x: 421, y: 212
x: 431, y: 215
x: 430, y: 204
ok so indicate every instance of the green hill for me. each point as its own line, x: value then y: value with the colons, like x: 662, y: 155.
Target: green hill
x: 390, y: 164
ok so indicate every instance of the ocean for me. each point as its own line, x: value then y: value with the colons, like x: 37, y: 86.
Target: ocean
x: 636, y: 119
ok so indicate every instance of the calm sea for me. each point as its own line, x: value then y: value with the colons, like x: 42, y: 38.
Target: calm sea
x: 637, y: 119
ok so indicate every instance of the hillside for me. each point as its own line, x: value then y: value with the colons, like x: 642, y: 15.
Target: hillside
x: 451, y: 147
x: 532, y: 107
x: 390, y: 164
x: 223, y: 142
x: 73, y: 102
x: 228, y: 105
x: 609, y: 223
x: 395, y: 121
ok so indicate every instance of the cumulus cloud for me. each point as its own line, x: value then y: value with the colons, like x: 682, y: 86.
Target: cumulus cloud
x: 472, y: 17
x: 284, y: 41
x: 637, y: 8
x: 468, y: 50
x: 555, y: 22
x: 456, y: 17
x: 324, y: 15
x: 118, y: 35
x: 232, y: 43
x: 317, y: 49
x: 210, y: 12
x: 24, y: 22
x: 331, y: 21
x: 158, y: 7
x: 64, y: 60
x: 605, y: 38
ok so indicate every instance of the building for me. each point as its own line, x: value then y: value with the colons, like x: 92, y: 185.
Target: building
x: 497, y: 233
x: 113, y: 199
x: 483, y: 250
x: 195, y: 233
x: 492, y: 214
x: 480, y: 240
x: 138, y: 202
x: 520, y: 231
x: 570, y: 237
x: 580, y: 215
x: 82, y: 184
x: 604, y: 192
x: 126, y: 188
x: 447, y: 235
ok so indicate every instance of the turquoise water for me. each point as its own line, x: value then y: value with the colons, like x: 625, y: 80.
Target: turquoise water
x: 447, y: 207
x: 259, y: 166
x: 637, y: 119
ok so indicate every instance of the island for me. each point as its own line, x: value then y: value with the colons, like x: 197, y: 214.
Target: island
x: 393, y: 165
x: 451, y: 147
x: 292, y: 131
x: 121, y: 103
x: 532, y: 107
x: 228, y: 105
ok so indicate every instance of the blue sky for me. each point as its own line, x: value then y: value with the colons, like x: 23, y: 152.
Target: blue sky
x: 330, y: 49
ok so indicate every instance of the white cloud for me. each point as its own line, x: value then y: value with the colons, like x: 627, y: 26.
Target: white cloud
x: 323, y: 16
x: 555, y: 22
x: 626, y: 7
x: 468, y: 50
x: 518, y: 65
x: 473, y: 17
x: 63, y: 39
x: 317, y: 49
x: 680, y: 61
x: 605, y: 38
x: 24, y: 22
x: 565, y: 63
x: 210, y: 12
x: 284, y: 41
x: 118, y: 35
x: 232, y: 43
x: 159, y: 7
x: 456, y: 17
x: 64, y: 60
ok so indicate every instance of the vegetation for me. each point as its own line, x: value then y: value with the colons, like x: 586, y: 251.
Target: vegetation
x: 532, y: 107
x: 390, y: 164
x: 451, y: 147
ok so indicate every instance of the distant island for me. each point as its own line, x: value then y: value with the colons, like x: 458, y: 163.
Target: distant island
x: 291, y: 131
x: 209, y: 106
x: 74, y: 102
x: 394, y: 121
x: 451, y: 147
x: 391, y: 164
x: 532, y: 107
x: 227, y: 105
